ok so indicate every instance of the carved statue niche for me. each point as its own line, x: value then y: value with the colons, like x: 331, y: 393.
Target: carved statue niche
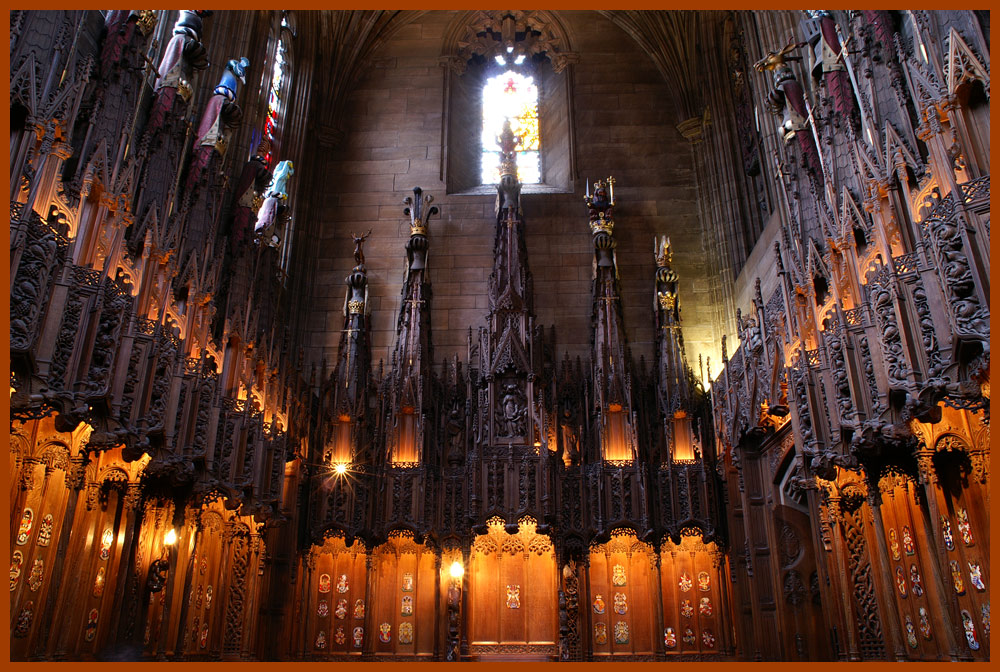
x: 512, y: 411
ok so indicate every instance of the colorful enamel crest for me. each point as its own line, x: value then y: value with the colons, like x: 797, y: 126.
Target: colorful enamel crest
x: 45, y: 531
x: 600, y: 633
x: 513, y: 596
x: 323, y: 609
x: 359, y: 608
x: 984, y: 611
x: 705, y: 607
x: 925, y: 623
x: 36, y: 575
x: 704, y: 582
x: 16, y: 562
x: 684, y: 583
x: 208, y: 597
x: 900, y: 581
x: 911, y: 632
x: 688, y: 637
x: 24, y: 530
x: 407, y: 582
x: 949, y: 540
x: 618, y: 575
x: 341, y: 610
x: 621, y: 603
x: 956, y: 578
x: 598, y: 604
x: 385, y: 633
x: 99, y: 582
x: 359, y: 636
x: 203, y: 640
x: 407, y: 607
x: 893, y: 543
x: 970, y: 630
x: 964, y: 527
x: 339, y: 636
x: 203, y: 567
x: 342, y: 583
x: 917, y: 584
x: 198, y: 595
x: 621, y: 632
x: 976, y: 576
x: 324, y: 583
x: 708, y: 639
x: 90, y: 631
x: 669, y: 638
x: 907, y: 540
x: 106, y: 540
x: 406, y: 633
x: 321, y: 640
x: 687, y: 611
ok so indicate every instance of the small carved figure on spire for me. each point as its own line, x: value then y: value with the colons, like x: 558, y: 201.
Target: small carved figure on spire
x: 601, y: 206
x: 359, y: 241
x: 509, y: 189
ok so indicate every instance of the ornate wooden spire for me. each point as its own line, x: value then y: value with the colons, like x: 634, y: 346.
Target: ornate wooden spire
x: 612, y: 380
x: 352, y: 374
x: 410, y: 374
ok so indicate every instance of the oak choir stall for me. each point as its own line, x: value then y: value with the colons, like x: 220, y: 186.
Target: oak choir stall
x: 489, y: 473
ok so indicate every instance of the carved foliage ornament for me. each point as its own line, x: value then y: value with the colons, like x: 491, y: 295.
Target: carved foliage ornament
x: 491, y: 33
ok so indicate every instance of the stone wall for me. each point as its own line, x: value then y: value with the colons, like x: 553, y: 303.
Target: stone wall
x: 624, y: 126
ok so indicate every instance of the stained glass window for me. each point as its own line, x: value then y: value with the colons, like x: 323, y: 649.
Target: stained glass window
x: 511, y: 95
x: 274, y: 98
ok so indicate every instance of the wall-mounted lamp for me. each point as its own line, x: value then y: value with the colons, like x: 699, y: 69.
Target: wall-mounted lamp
x: 456, y: 570
x: 170, y: 538
x: 340, y: 468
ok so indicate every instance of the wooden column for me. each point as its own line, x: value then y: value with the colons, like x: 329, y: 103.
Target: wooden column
x: 890, y: 612
x: 75, y: 483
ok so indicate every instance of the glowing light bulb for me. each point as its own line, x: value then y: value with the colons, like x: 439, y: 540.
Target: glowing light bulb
x: 457, y: 570
x: 170, y: 538
x: 340, y: 468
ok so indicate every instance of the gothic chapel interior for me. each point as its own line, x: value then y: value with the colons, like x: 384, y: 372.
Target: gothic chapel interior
x: 499, y: 335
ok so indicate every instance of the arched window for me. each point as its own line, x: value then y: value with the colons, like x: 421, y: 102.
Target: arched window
x: 274, y: 97
x: 511, y: 95
x: 508, y: 65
